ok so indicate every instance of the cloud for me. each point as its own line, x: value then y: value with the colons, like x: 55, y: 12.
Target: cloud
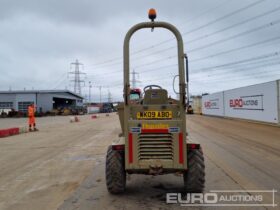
x: 39, y: 40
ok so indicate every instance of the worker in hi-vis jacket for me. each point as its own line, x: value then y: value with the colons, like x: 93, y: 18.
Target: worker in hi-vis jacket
x: 31, y: 117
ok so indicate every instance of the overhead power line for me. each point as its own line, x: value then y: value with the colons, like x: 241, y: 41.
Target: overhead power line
x: 251, y: 63
x: 225, y: 74
x: 57, y: 82
x: 241, y: 77
x: 193, y: 30
x: 214, y: 43
x: 261, y: 57
x: 237, y: 35
x: 236, y: 49
x: 235, y: 68
x: 189, y: 20
x: 61, y: 81
x: 215, y: 21
x: 212, y: 33
x: 235, y: 25
x: 209, y: 56
x: 264, y: 26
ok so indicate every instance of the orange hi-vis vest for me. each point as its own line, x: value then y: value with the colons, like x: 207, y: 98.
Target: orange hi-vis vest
x: 30, y: 111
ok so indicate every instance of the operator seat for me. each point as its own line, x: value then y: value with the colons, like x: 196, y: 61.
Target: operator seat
x: 155, y: 96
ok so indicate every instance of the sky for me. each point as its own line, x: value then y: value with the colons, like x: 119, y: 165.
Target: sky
x: 230, y: 44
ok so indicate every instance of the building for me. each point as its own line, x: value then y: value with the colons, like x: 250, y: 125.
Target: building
x: 45, y: 100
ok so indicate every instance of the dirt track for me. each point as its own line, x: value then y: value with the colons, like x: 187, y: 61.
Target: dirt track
x: 62, y: 165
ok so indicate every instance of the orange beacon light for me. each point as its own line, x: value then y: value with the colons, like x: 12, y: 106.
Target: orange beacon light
x: 152, y: 14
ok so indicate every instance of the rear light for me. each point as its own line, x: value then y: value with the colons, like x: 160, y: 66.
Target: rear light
x: 130, y: 148
x: 193, y: 146
x: 181, y: 149
x: 118, y: 147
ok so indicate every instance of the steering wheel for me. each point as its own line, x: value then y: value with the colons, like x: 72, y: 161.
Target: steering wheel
x: 151, y: 87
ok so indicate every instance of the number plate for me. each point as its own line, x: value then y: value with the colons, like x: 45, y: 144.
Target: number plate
x: 154, y: 115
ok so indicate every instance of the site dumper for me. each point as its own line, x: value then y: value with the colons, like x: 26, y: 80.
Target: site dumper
x: 153, y: 139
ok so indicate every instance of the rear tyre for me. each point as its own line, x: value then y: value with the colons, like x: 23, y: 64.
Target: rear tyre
x: 194, y: 177
x: 115, y: 171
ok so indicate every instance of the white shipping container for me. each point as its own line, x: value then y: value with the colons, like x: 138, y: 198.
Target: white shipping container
x: 93, y: 109
x: 257, y: 102
x: 213, y: 104
x: 196, y: 104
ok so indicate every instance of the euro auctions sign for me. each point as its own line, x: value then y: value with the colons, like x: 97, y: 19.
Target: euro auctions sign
x: 251, y: 102
x: 255, y: 102
x: 212, y: 104
x: 225, y: 198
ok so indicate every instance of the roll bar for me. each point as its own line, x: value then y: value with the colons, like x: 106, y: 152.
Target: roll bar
x: 181, y: 56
